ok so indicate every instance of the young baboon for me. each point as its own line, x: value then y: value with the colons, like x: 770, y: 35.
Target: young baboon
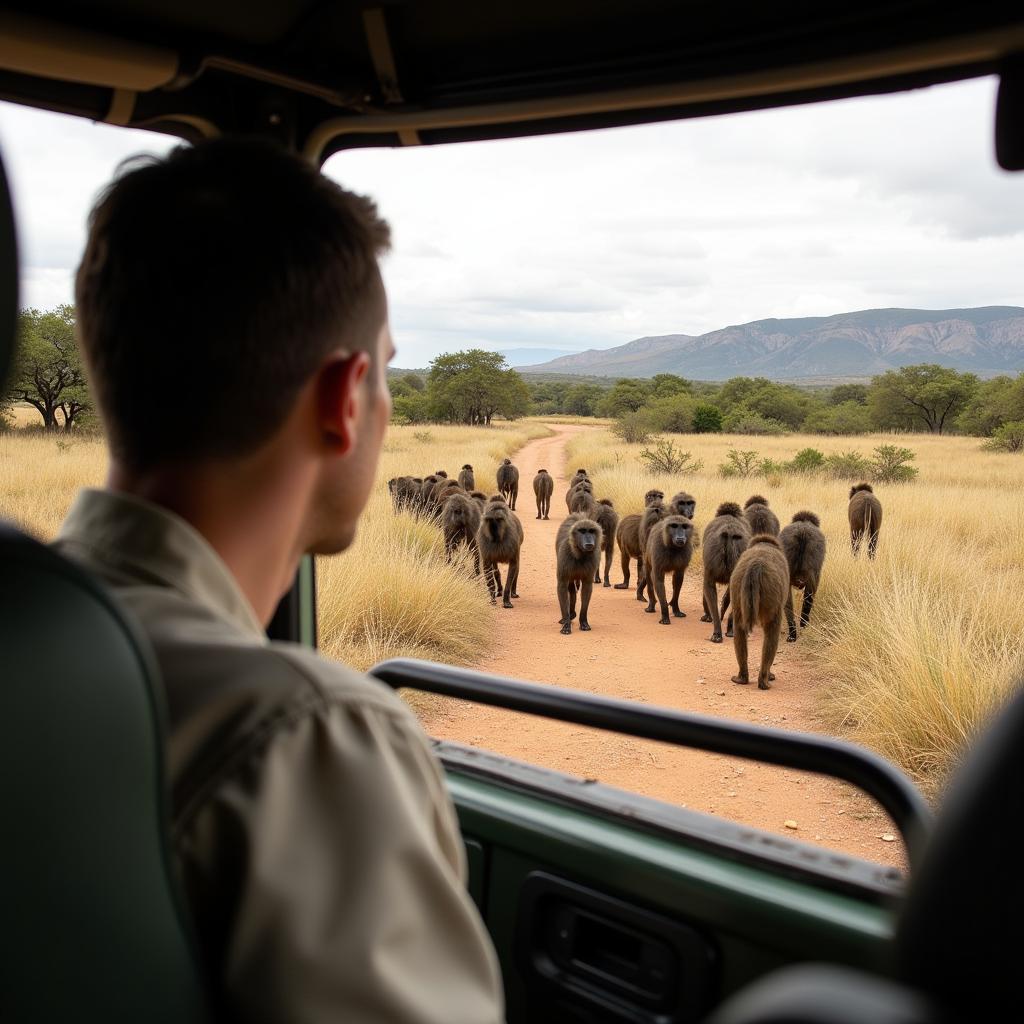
x: 508, y: 482
x: 580, y: 474
x: 578, y: 554
x: 669, y: 549
x: 725, y: 538
x: 648, y: 518
x: 759, y: 585
x: 608, y: 519
x: 760, y: 518
x: 499, y: 539
x: 682, y: 504
x: 803, y: 544
x: 466, y: 479
x: 583, y: 485
x: 543, y: 486
x: 865, y: 518
x: 460, y: 523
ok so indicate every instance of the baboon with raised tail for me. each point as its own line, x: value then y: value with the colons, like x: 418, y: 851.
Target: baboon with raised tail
x: 543, y: 486
x: 608, y: 519
x: 466, y: 479
x: 627, y: 536
x: 760, y: 518
x: 725, y: 538
x: 508, y: 482
x: 682, y: 504
x: 865, y: 518
x: 578, y: 555
x: 669, y: 549
x: 759, y: 585
x: 499, y: 540
x: 803, y: 544
x: 460, y: 523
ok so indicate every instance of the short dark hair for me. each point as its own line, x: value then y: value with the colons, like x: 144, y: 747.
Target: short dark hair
x: 214, y: 282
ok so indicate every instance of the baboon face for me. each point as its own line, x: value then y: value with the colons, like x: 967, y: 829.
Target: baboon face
x: 653, y: 497
x: 683, y: 505
x: 496, y: 521
x: 677, y: 535
x: 586, y: 538
x: 581, y: 472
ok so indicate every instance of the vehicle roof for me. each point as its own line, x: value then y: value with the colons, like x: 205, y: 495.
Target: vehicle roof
x: 331, y: 75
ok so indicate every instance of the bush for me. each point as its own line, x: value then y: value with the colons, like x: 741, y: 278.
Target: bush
x: 1007, y: 438
x: 847, y: 466
x: 673, y: 415
x: 707, y: 419
x: 810, y: 460
x: 423, y: 436
x: 632, y: 427
x: 666, y: 458
x: 743, y: 421
x: 772, y: 467
x: 890, y: 464
x: 840, y: 420
x: 740, y: 464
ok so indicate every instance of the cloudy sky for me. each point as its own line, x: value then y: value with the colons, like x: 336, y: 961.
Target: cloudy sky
x: 591, y: 240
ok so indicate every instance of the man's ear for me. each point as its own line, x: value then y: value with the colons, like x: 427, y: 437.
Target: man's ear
x: 339, y: 394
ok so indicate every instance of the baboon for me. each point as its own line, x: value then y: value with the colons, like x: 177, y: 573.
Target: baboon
x: 580, y: 474
x: 543, y: 486
x: 442, y: 492
x: 760, y: 518
x: 803, y: 544
x: 404, y: 492
x: 653, y: 497
x: 669, y: 549
x: 628, y: 539
x: 460, y: 523
x: 466, y: 479
x: 650, y: 515
x: 725, y: 539
x: 583, y: 502
x: 583, y: 485
x: 865, y: 518
x: 479, y: 497
x: 608, y: 519
x: 682, y: 504
x: 499, y: 498
x: 759, y: 583
x: 427, y: 492
x: 499, y: 539
x: 578, y: 554
x: 508, y: 482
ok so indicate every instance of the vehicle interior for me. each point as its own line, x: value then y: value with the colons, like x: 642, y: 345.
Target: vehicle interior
x: 603, y: 906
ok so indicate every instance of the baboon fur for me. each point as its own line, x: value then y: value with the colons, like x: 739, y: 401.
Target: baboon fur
x: 865, y: 518
x: 479, y: 497
x: 583, y: 485
x: 499, y: 539
x: 628, y: 538
x: 460, y: 523
x: 669, y: 549
x: 759, y: 585
x: 608, y: 519
x: 760, y: 518
x: 466, y: 479
x: 583, y: 502
x: 543, y: 487
x: 654, y: 497
x: 404, y: 492
x: 442, y: 492
x: 803, y: 544
x: 580, y: 474
x: 427, y: 491
x: 508, y: 482
x: 578, y: 556
x: 650, y: 515
x: 682, y: 504
x: 725, y: 538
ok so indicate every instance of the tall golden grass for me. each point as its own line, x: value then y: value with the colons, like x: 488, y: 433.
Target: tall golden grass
x: 392, y: 593
x: 917, y: 648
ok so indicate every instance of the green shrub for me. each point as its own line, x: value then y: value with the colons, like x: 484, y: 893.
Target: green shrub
x: 890, y: 464
x: 743, y: 421
x: 847, y: 466
x: 740, y: 464
x: 672, y: 415
x: 772, y: 467
x: 707, y: 419
x: 809, y: 460
x: 632, y: 427
x: 1007, y: 438
x: 665, y: 457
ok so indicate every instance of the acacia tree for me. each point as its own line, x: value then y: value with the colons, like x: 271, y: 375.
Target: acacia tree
x: 48, y: 371
x: 925, y: 395
x: 474, y: 386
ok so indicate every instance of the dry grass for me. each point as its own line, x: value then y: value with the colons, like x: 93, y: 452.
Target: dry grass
x: 917, y: 648
x: 392, y: 593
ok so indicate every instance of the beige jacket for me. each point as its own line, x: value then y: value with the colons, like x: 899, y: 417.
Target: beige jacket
x: 318, y: 847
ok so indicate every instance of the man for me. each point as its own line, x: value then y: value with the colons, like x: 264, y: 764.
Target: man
x: 234, y: 323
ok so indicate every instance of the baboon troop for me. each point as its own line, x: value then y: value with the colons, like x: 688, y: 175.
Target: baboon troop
x: 543, y: 486
x: 499, y: 539
x: 608, y: 519
x: 466, y: 479
x: 508, y: 482
x: 803, y: 544
x: 759, y: 585
x: 865, y: 513
x: 760, y: 518
x: 669, y: 549
x: 577, y: 557
x: 725, y: 539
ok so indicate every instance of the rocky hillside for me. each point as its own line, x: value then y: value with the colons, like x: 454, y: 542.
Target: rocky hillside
x: 989, y: 339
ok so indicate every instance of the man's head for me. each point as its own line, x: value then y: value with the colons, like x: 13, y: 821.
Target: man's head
x: 224, y: 290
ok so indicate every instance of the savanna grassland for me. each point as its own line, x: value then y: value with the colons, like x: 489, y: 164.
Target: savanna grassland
x: 916, y: 648
x: 392, y: 593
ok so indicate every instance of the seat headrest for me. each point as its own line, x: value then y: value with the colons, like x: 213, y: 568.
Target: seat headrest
x: 8, y: 278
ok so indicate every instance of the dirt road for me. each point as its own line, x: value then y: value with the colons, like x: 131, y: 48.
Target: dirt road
x: 628, y: 654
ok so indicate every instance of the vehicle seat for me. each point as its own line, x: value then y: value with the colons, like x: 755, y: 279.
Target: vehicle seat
x: 956, y: 951
x: 92, y: 926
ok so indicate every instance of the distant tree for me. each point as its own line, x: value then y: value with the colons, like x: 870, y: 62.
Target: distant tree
x: 737, y: 390
x: 1008, y: 437
x: 925, y: 396
x: 582, y: 399
x: 414, y: 382
x: 846, y: 418
x: 665, y: 385
x: 626, y: 396
x: 474, y: 386
x: 995, y: 402
x: 707, y: 419
x: 842, y: 393
x: 672, y: 414
x: 48, y: 371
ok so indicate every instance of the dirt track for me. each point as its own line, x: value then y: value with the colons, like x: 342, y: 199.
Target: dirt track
x: 629, y: 655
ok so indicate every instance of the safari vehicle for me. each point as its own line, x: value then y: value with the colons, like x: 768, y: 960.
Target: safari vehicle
x: 603, y: 906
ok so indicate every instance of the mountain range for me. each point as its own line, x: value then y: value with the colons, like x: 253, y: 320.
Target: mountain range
x: 985, y: 340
